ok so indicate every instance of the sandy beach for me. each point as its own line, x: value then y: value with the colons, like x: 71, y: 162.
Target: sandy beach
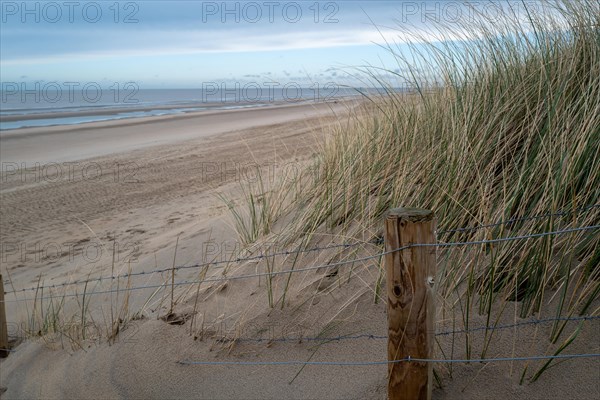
x: 146, y: 182
x: 56, y: 144
x: 150, y: 185
x: 306, y: 200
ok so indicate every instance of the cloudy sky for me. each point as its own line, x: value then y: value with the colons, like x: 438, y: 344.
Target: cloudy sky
x: 177, y: 44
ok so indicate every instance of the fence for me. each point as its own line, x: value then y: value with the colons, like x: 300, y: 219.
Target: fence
x: 375, y: 242
x: 410, y: 289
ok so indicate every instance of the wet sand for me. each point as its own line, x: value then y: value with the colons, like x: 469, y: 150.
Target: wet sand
x: 75, y: 142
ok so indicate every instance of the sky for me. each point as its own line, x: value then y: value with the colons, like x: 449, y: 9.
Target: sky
x: 185, y: 44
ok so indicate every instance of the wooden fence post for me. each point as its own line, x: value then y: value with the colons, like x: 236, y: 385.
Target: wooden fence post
x: 3, y: 329
x: 411, y: 311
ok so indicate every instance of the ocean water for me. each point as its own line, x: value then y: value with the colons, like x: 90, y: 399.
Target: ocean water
x: 67, y: 104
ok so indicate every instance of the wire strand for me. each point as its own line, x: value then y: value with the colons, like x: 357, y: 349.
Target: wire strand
x: 443, y: 333
x: 522, y: 219
x: 376, y: 241
x: 197, y: 265
x: 370, y: 363
x: 271, y: 274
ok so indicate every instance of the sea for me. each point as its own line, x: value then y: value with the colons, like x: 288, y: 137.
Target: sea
x: 25, y: 106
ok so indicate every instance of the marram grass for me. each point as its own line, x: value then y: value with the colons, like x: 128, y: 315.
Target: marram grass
x: 504, y: 122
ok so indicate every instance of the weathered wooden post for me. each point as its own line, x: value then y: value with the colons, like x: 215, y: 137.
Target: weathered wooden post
x: 410, y: 280
x: 3, y: 328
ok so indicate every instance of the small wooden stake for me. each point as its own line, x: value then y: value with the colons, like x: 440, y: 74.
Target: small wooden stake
x: 411, y: 311
x: 3, y: 328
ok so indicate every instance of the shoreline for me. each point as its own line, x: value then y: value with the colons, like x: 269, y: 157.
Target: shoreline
x: 100, y: 110
x: 202, y: 109
x: 112, y: 110
x: 62, y: 143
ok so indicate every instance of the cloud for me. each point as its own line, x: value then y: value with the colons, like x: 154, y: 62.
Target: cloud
x: 161, y: 43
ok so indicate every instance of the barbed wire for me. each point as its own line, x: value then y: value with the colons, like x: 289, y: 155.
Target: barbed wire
x: 221, y: 279
x: 190, y: 266
x: 378, y: 337
x: 507, y: 239
x: 522, y: 219
x: 275, y: 273
x: 377, y: 241
x: 522, y: 323
x: 370, y: 363
x: 442, y: 333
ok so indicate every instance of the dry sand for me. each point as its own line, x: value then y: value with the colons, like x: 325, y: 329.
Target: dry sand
x: 152, y: 181
x: 60, y: 218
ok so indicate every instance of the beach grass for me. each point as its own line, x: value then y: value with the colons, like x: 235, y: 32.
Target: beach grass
x: 502, y: 123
